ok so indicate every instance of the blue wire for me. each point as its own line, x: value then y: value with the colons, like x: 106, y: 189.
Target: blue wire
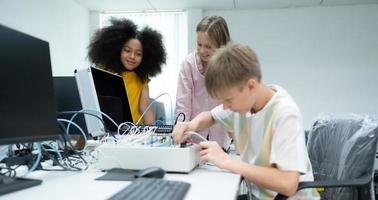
x: 153, y: 101
x: 56, y: 150
x: 91, y: 110
x: 38, y: 158
x: 101, y: 113
x: 77, y: 126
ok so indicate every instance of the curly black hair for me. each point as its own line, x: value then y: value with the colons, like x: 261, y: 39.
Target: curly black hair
x: 106, y: 46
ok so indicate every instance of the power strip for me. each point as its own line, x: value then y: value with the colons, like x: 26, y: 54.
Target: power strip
x: 171, y: 159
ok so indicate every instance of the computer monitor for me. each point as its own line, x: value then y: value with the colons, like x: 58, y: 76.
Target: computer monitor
x: 68, y: 99
x: 27, y: 102
x: 103, y: 91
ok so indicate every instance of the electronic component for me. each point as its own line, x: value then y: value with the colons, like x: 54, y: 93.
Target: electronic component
x: 158, y: 129
x: 171, y: 159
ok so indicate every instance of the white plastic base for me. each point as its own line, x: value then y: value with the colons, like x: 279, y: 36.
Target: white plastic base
x: 171, y: 159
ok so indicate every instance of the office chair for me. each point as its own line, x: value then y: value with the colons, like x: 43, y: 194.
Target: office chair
x: 342, y: 152
x: 159, y: 111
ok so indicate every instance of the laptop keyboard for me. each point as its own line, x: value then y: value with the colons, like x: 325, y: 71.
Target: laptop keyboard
x: 152, y: 188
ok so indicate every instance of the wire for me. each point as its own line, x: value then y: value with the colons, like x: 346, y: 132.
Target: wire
x: 11, y: 172
x: 180, y: 114
x: 55, y: 148
x: 122, y: 124
x: 159, y: 122
x: 95, y: 111
x: 88, y: 113
x: 145, y: 111
x: 77, y: 126
x: 36, y: 162
x: 54, y: 159
x: 66, y: 140
x: 197, y: 134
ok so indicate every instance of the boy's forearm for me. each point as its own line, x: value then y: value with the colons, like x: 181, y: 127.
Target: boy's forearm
x: 201, y: 121
x: 284, y: 182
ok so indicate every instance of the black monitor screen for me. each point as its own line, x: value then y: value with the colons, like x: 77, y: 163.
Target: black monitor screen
x: 27, y: 103
x: 68, y: 99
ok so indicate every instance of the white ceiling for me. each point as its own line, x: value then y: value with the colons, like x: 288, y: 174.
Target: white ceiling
x: 114, y: 5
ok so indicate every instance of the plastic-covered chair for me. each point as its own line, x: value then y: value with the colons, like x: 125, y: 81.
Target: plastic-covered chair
x: 342, y: 151
x: 159, y: 111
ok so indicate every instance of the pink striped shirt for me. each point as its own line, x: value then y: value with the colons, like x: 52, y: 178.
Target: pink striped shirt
x: 192, y: 98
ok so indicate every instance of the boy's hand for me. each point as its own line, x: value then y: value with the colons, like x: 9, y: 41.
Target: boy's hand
x: 212, y: 152
x: 179, y: 131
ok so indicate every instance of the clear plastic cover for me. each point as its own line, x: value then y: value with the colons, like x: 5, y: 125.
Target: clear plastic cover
x: 343, y: 147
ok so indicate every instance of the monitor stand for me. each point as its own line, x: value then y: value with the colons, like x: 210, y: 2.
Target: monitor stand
x: 12, y: 184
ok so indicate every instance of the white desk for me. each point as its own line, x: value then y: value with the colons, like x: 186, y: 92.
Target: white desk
x: 207, y: 182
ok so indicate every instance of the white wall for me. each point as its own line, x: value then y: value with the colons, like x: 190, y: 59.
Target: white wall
x: 194, y: 17
x: 94, y: 22
x: 63, y: 23
x: 326, y: 57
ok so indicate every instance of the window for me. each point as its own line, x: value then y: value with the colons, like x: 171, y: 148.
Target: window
x: 173, y: 26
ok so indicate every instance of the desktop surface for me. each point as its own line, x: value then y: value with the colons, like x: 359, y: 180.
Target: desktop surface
x: 205, y: 184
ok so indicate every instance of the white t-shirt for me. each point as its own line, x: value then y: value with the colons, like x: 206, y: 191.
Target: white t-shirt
x: 280, y: 119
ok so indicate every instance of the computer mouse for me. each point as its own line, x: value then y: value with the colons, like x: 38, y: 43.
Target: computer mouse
x: 151, y: 172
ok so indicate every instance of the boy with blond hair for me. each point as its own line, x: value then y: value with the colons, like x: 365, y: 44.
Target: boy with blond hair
x: 267, y: 123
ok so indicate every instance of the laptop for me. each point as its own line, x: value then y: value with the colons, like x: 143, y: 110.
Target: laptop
x: 104, y: 91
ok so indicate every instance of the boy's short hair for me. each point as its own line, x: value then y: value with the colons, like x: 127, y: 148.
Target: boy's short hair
x: 231, y: 66
x: 216, y: 28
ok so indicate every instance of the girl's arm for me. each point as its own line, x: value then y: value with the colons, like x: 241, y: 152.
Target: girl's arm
x: 144, y: 101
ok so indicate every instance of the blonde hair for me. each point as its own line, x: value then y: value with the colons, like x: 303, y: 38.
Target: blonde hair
x: 216, y: 28
x: 230, y: 66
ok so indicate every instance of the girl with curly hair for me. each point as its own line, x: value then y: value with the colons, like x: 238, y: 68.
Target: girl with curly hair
x: 136, y: 55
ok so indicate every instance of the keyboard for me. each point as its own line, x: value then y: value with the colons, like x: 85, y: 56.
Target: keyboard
x: 12, y: 184
x: 152, y: 188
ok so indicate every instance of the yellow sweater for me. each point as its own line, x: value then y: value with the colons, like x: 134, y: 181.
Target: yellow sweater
x: 134, y: 86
